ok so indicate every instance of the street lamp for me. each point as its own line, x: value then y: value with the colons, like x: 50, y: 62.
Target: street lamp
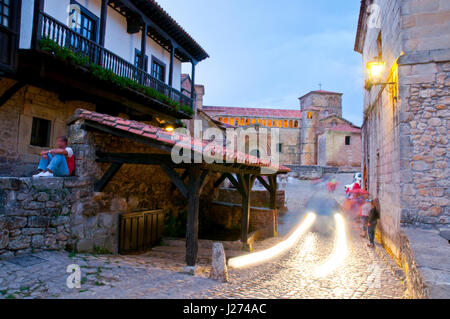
x: 375, y: 71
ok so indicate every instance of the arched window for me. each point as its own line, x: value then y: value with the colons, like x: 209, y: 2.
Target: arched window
x: 237, y: 121
x: 264, y: 122
x: 296, y: 124
x: 248, y: 122
x: 226, y: 120
x: 220, y: 119
x: 291, y: 123
x: 231, y: 121
x: 285, y: 124
x: 253, y: 121
x: 242, y: 121
x: 258, y: 121
x: 280, y: 123
x: 270, y: 123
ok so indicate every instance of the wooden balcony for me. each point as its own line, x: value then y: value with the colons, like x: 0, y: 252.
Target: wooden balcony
x: 50, y: 28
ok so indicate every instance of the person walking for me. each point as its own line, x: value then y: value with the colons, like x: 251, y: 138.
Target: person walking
x: 374, y: 216
x: 365, y: 209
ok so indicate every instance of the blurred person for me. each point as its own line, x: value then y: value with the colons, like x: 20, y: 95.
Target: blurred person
x: 365, y: 209
x: 374, y: 216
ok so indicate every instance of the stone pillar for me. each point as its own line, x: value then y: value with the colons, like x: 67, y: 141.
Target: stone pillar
x: 308, y: 145
x: 219, y: 271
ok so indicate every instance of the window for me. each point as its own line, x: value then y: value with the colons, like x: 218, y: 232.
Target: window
x: 347, y: 140
x: 5, y: 8
x: 280, y: 148
x: 296, y: 124
x: 138, y: 60
x: 158, y: 69
x: 84, y: 22
x: 40, y: 132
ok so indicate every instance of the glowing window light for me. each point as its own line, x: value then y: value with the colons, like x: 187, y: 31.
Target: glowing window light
x: 280, y: 248
x: 340, y: 252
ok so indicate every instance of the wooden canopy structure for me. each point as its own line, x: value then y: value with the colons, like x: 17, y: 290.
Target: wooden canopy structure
x: 242, y: 170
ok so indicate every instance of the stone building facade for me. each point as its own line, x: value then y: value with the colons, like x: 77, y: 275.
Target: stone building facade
x: 405, y: 131
x: 314, y: 135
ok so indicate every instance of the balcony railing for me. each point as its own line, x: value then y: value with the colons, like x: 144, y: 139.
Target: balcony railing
x: 54, y: 30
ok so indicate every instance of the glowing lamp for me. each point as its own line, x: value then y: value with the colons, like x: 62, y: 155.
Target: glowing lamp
x: 169, y: 128
x: 375, y: 70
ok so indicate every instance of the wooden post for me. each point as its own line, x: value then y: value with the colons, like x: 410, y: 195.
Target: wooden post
x: 245, y: 182
x: 37, y: 25
x: 273, y: 192
x: 194, y: 105
x: 192, y: 215
x: 143, y: 51
x: 273, y: 201
x: 172, y: 56
x: 103, y: 16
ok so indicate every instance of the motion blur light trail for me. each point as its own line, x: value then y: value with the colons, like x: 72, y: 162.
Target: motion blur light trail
x: 340, y: 250
x: 258, y: 257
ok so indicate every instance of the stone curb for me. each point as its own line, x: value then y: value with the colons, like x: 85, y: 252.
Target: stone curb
x: 395, y: 269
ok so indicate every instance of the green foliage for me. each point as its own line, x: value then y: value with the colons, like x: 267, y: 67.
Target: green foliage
x: 103, y: 74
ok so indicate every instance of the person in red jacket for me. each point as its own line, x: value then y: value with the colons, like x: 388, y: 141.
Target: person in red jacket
x: 57, y: 162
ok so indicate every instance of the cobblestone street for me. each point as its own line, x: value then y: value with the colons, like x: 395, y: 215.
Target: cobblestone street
x: 362, y: 275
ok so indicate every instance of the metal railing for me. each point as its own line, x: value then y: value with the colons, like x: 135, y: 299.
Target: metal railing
x: 52, y: 29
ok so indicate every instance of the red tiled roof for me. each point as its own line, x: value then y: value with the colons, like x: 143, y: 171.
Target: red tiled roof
x: 172, y: 138
x: 254, y: 112
x: 345, y: 128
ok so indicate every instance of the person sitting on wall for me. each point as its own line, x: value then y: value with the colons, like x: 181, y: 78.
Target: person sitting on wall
x: 58, y: 162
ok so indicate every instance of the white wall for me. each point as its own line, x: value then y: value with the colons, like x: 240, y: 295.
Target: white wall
x: 117, y: 39
x: 26, y: 24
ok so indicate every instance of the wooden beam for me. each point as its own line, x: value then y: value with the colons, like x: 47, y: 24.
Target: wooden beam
x: 175, y: 178
x: 273, y: 191
x: 246, y: 205
x: 220, y: 180
x: 193, y: 86
x: 172, y: 57
x: 37, y: 26
x: 10, y: 92
x: 263, y: 181
x: 143, y: 46
x: 107, y: 177
x: 203, y: 179
x: 153, y: 25
x: 192, y: 215
x: 103, y: 18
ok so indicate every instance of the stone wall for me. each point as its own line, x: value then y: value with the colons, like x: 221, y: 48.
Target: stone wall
x: 334, y: 152
x: 45, y: 214
x: 229, y: 216
x: 310, y: 172
x: 17, y: 156
x: 258, y: 198
x: 406, y: 136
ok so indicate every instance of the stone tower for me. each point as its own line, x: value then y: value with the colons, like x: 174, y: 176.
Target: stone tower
x: 315, y: 106
x: 308, y: 136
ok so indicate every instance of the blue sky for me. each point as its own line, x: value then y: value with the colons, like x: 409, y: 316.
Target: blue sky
x: 269, y: 53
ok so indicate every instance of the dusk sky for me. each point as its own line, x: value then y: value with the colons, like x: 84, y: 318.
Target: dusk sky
x: 269, y: 53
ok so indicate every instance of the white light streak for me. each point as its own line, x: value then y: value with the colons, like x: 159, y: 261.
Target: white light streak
x: 340, y: 249
x: 258, y: 257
